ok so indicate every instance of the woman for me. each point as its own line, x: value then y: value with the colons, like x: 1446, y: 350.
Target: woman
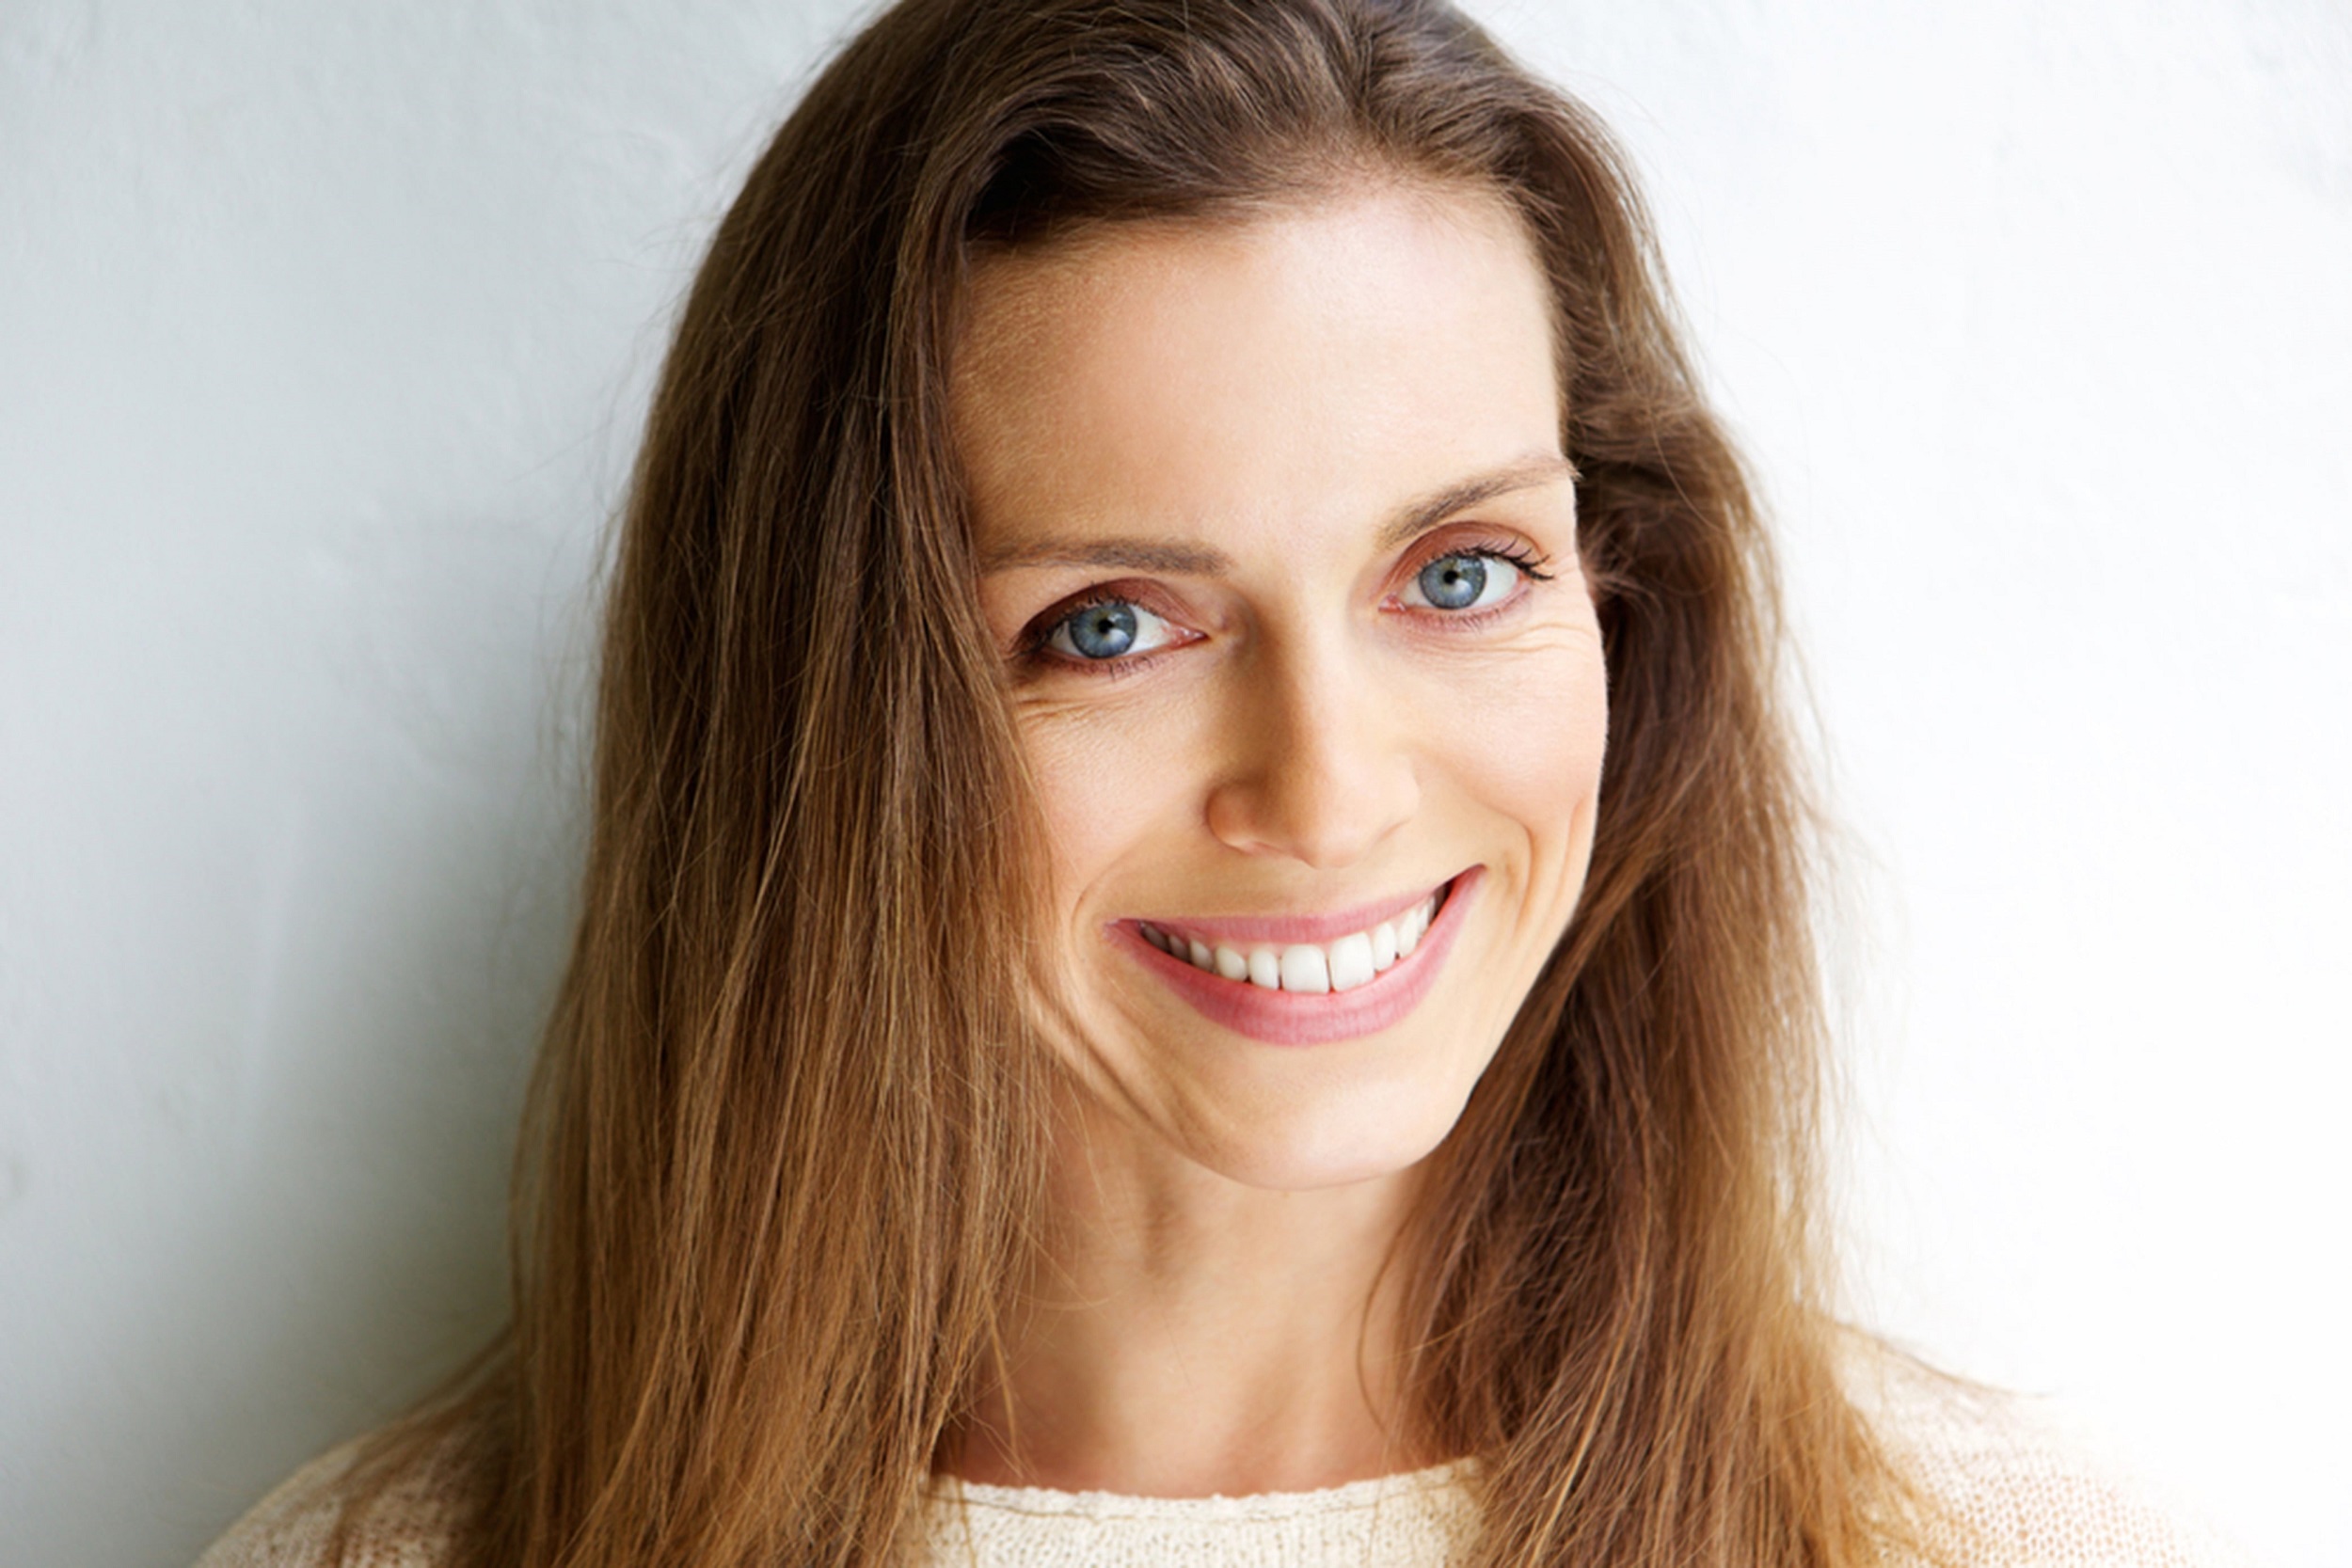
x: 1114, y: 975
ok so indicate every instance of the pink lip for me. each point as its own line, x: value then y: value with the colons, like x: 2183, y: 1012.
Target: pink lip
x: 1289, y: 1018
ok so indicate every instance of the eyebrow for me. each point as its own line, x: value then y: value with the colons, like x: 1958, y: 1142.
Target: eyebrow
x: 1178, y: 558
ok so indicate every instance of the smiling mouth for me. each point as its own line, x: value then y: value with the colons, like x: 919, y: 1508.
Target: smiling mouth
x: 1303, y: 968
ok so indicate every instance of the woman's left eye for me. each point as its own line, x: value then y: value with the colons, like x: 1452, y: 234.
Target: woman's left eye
x: 1111, y: 629
x: 1466, y: 579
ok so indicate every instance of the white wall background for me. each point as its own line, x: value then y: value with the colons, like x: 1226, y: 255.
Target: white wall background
x: 324, y: 333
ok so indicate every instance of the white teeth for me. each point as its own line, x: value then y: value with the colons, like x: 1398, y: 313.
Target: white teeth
x: 1352, y: 961
x: 1305, y: 968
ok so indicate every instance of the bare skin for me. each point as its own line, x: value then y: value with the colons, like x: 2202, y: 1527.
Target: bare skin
x: 1279, y: 545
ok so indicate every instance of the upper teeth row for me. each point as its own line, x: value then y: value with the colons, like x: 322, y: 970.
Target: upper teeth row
x: 1340, y: 965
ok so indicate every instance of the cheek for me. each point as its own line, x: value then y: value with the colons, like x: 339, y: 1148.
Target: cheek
x: 1105, y: 788
x: 1528, y: 743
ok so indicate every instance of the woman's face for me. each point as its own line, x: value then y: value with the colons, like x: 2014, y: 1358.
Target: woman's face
x: 1280, y: 547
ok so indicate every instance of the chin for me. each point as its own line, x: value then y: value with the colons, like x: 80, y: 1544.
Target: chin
x: 1331, y: 1140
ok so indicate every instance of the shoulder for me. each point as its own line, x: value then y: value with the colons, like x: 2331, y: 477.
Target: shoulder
x: 410, y: 1523
x: 2006, y: 1485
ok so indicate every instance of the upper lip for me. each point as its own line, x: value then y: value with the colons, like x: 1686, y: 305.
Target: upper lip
x: 1259, y: 929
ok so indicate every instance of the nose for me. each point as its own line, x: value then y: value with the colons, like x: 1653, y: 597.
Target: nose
x: 1320, y: 767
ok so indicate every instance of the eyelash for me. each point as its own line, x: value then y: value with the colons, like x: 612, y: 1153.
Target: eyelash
x: 1032, y: 653
x: 1529, y: 563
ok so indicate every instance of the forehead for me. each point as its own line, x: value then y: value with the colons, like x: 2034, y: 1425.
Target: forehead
x: 1308, y: 361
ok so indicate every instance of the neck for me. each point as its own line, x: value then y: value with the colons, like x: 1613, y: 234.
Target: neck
x: 1191, y: 1336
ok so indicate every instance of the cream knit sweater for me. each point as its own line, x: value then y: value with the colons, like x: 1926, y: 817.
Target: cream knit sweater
x: 2016, y: 1496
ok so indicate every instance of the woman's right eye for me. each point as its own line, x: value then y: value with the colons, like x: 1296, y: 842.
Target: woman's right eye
x: 1106, y: 630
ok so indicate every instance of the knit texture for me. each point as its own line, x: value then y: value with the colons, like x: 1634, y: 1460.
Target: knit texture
x: 2014, y: 1492
x: 1425, y: 1517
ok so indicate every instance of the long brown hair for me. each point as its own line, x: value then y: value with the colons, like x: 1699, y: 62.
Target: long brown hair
x: 781, y: 1165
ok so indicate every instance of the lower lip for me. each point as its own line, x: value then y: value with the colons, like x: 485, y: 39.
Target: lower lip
x: 1298, y: 1017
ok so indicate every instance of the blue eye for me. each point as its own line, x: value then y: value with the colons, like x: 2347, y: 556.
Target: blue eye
x: 1465, y: 580
x: 1106, y: 630
x: 1101, y: 631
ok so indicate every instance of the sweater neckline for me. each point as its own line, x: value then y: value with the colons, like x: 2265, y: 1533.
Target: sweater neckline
x: 1345, y: 1498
